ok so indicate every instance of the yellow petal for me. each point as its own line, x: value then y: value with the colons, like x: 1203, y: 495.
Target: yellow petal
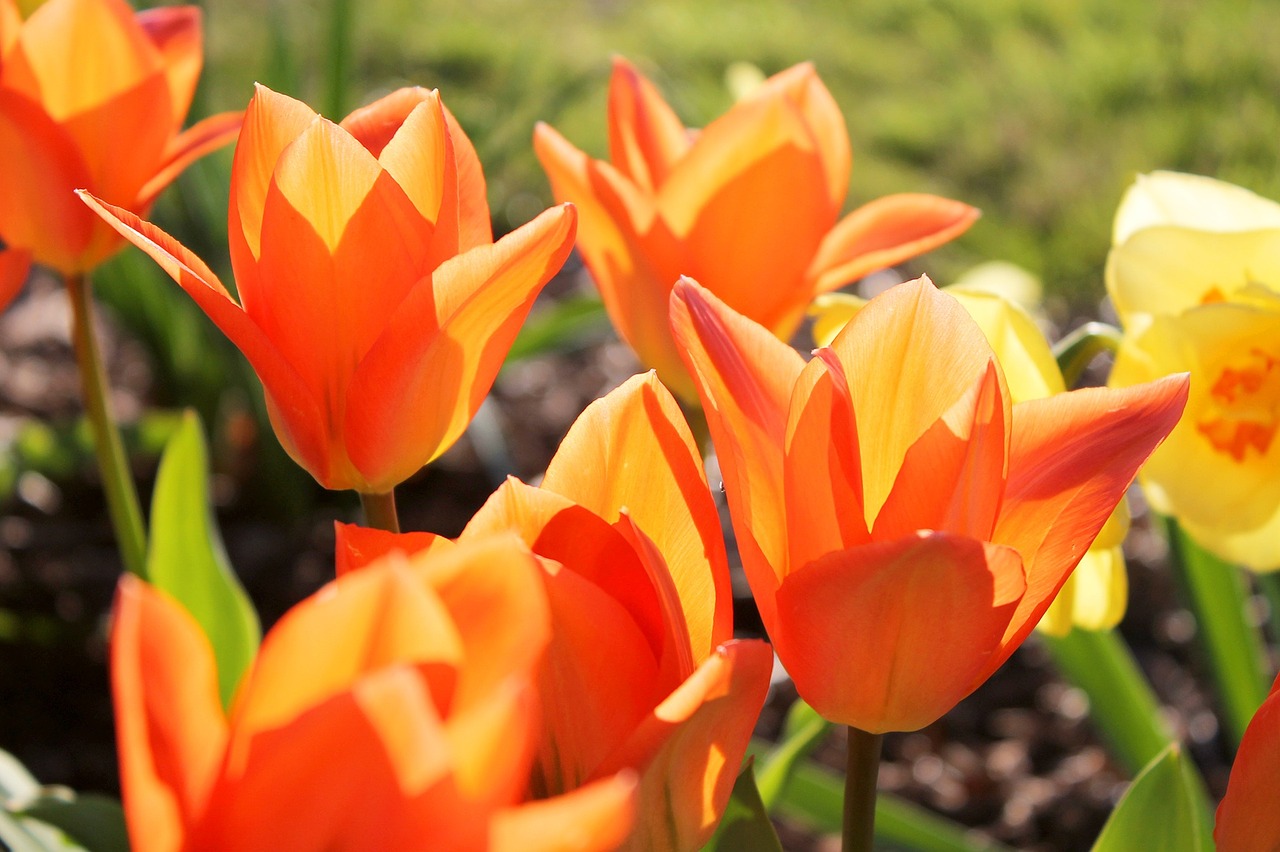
x: 1191, y: 201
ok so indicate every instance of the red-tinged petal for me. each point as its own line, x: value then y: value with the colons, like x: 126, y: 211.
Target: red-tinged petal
x: 952, y: 478
x: 203, y: 137
x: 492, y: 744
x: 76, y: 55
x: 1247, y: 820
x: 357, y: 547
x: 689, y: 748
x: 750, y: 205
x: 415, y: 391
x: 744, y: 376
x: 646, y: 139
x: 406, y: 132
x: 367, y: 768
x: 593, y: 818
x: 374, y: 125
x: 271, y: 122
x: 368, y: 620
x: 170, y: 727
x: 14, y: 266
x: 802, y: 86
x: 633, y: 452
x: 908, y: 356
x: 296, y: 417
x: 822, y: 473
x: 42, y: 167
x: 885, y: 232
x: 10, y: 23
x: 474, y: 226
x: 1071, y: 457
x: 177, y: 34
x: 891, y: 635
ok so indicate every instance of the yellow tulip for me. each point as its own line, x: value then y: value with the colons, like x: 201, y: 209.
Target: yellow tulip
x: 1194, y: 273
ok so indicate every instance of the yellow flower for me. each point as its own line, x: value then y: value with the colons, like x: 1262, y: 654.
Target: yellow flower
x: 1194, y: 273
x: 1095, y: 594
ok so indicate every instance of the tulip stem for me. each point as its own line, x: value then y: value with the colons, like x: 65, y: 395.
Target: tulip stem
x: 1075, y: 351
x: 380, y: 511
x: 861, y: 772
x: 117, y: 480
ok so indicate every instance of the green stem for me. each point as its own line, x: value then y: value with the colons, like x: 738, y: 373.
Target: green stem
x: 860, y: 791
x: 1121, y: 701
x: 697, y: 419
x: 380, y: 511
x: 117, y: 480
x: 1077, y: 349
x: 341, y: 22
x: 1216, y: 594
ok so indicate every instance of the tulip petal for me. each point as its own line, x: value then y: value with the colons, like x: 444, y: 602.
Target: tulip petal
x: 295, y: 415
x: 475, y: 304
x: 646, y: 138
x: 929, y: 340
x: 801, y: 84
x: 744, y: 376
x: 689, y: 748
x: 357, y: 547
x: 10, y: 23
x: 201, y: 138
x: 1071, y: 457
x: 1191, y: 201
x: 474, y: 225
x: 632, y: 452
x: 177, y: 33
x: 169, y: 722
x: 594, y: 818
x: 14, y: 266
x: 885, y: 232
x: 1247, y: 820
x: 890, y: 636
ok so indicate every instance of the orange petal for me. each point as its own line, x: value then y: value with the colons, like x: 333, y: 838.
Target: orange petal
x: 632, y: 451
x: 295, y: 416
x: 42, y: 167
x: 1247, y: 820
x: 177, y: 34
x: 415, y: 392
x: 10, y: 23
x: 689, y: 748
x: 594, y: 818
x: 890, y: 636
x: 744, y: 376
x: 493, y: 743
x: 930, y: 352
x: 801, y: 84
x: 885, y: 232
x: 15, y: 263
x: 201, y: 138
x: 1071, y: 458
x: 357, y: 547
x: 953, y: 477
x: 169, y: 722
x: 646, y: 139
x: 474, y: 227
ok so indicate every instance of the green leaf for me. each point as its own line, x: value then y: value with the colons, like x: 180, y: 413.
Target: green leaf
x: 745, y: 826
x: 187, y: 559
x: 1161, y: 810
x: 567, y: 324
x: 802, y: 732
x: 95, y: 822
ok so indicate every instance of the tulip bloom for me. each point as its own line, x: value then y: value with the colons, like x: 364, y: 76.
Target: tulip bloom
x: 642, y: 671
x: 395, y: 709
x: 93, y: 96
x: 1247, y: 819
x: 1194, y: 273
x: 748, y: 206
x: 1095, y: 594
x: 903, y: 526
x: 374, y: 305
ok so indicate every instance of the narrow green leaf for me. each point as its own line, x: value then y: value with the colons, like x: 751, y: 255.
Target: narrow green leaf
x: 95, y: 822
x: 24, y: 835
x: 1075, y: 351
x: 1161, y: 810
x: 745, y: 826
x: 188, y: 561
x: 802, y: 732
x: 566, y: 325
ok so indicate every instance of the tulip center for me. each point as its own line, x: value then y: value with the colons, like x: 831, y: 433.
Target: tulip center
x: 1243, y: 411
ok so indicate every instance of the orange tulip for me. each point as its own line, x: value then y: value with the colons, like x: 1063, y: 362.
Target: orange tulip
x: 903, y: 527
x: 1247, y: 819
x: 374, y: 305
x: 14, y: 265
x: 395, y: 709
x: 748, y: 206
x: 93, y: 95
x: 642, y: 671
